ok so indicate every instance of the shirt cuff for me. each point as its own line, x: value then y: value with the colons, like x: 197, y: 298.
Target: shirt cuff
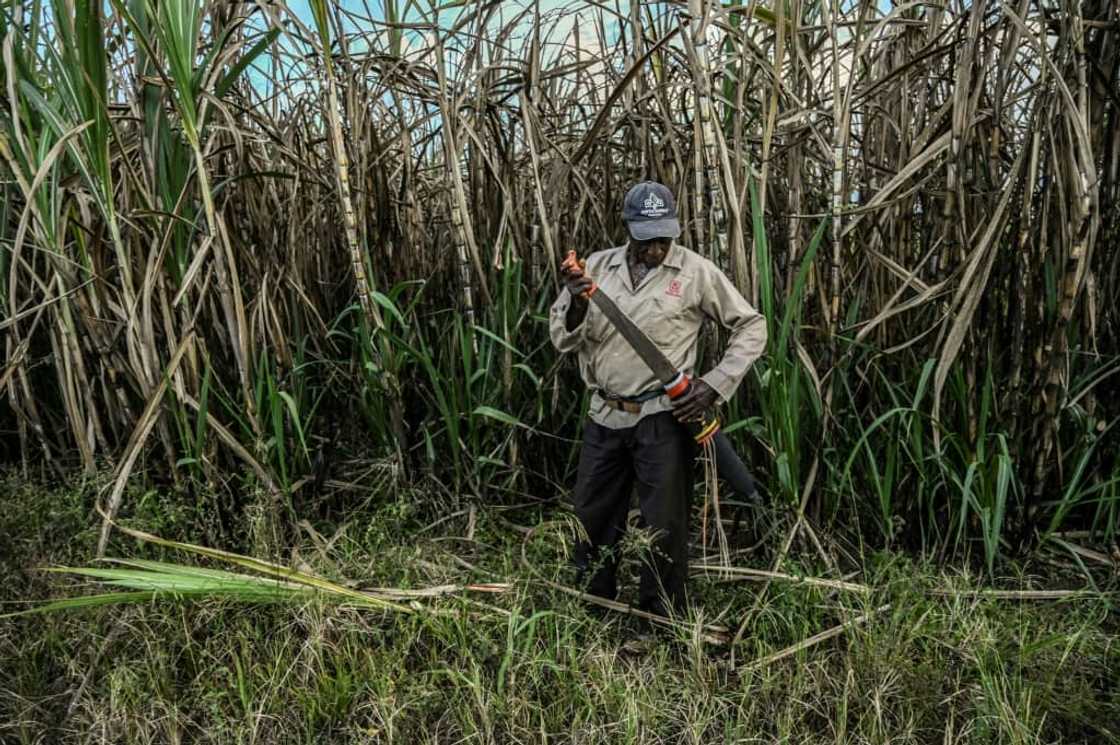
x: 567, y: 341
x: 721, y: 383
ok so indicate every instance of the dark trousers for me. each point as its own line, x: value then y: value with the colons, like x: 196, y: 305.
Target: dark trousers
x: 655, y: 456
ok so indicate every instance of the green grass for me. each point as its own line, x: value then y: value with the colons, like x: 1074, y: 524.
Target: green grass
x: 532, y: 664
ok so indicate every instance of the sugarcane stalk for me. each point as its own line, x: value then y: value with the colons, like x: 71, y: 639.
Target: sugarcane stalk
x: 370, y: 311
x: 1082, y: 176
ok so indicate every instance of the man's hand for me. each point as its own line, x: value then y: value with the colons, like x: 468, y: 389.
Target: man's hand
x: 577, y: 283
x: 575, y: 280
x: 696, y: 403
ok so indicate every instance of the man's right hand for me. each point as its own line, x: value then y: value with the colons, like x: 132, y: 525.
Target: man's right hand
x: 577, y: 283
x: 575, y: 280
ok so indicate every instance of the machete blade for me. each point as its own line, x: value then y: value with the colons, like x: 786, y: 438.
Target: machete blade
x: 654, y: 358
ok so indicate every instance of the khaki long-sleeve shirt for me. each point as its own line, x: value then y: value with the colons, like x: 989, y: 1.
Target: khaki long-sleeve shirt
x: 669, y: 305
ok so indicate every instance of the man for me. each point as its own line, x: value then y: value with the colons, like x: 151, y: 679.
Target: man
x: 634, y: 436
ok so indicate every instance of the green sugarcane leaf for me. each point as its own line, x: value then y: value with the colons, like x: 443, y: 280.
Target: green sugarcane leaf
x: 793, y: 302
x: 386, y: 303
x: 498, y: 415
x: 528, y: 373
x: 491, y: 335
x: 85, y: 601
x: 246, y: 59
x: 296, y: 421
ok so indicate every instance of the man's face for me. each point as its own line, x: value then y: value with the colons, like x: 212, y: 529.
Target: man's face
x: 651, y: 252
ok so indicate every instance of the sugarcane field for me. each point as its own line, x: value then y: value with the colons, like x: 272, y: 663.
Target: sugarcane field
x: 551, y: 371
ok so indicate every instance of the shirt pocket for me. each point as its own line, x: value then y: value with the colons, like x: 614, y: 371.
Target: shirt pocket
x: 671, y: 321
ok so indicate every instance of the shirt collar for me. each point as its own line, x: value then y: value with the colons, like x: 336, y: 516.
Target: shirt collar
x: 672, y: 260
x: 674, y: 257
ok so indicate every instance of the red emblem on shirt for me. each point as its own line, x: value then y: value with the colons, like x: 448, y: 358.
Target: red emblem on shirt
x: 674, y: 288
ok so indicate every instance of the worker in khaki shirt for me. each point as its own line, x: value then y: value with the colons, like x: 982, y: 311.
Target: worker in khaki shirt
x: 634, y: 436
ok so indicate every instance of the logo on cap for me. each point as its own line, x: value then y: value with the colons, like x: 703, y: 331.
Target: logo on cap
x: 654, y: 206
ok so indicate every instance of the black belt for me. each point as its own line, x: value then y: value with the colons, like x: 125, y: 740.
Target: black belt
x: 632, y: 404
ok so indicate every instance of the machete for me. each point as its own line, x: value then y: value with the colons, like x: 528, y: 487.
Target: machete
x: 729, y: 466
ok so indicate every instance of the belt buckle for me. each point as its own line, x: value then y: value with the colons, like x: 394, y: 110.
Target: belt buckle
x: 621, y: 404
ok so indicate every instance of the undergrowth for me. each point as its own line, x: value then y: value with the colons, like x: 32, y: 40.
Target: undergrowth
x: 940, y: 664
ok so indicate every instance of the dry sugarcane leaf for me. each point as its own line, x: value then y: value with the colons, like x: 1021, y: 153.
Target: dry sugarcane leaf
x: 588, y: 139
x: 972, y: 286
x: 139, y: 435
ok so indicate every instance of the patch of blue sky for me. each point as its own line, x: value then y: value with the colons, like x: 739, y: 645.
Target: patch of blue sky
x: 366, y: 18
x: 365, y: 25
x: 599, y: 27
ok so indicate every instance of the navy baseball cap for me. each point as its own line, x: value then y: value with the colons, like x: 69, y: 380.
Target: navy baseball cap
x: 650, y: 211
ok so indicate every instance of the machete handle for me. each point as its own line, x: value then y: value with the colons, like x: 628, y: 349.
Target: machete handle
x: 573, y: 265
x: 705, y: 429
